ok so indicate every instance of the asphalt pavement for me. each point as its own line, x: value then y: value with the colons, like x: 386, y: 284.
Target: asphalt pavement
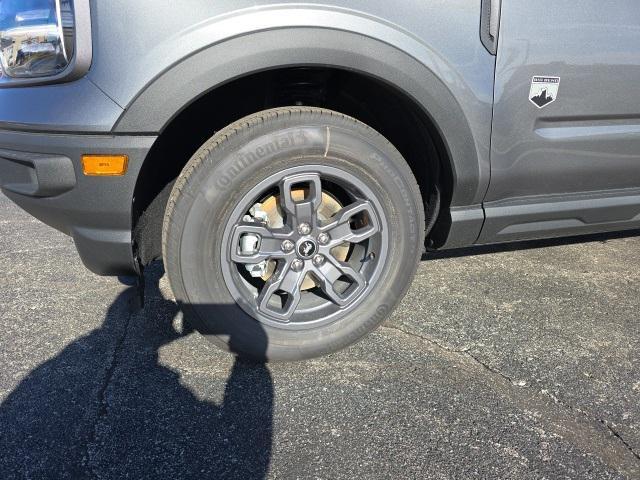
x: 518, y: 362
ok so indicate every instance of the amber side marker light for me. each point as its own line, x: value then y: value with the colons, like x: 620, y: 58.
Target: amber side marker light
x: 105, y: 165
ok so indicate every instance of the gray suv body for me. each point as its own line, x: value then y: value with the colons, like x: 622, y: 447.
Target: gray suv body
x: 515, y: 119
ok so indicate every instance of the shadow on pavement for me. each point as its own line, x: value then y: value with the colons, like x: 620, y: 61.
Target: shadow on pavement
x: 92, y: 413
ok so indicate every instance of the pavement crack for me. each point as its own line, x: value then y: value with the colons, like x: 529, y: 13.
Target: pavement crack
x: 488, y: 367
x: 102, y: 402
x: 423, y: 337
x: 464, y: 351
x: 102, y: 395
x: 619, y: 437
x: 590, y: 419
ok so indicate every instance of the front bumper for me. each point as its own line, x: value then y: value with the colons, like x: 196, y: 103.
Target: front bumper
x: 43, y: 175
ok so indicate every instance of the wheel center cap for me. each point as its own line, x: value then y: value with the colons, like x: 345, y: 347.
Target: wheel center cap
x: 307, y: 248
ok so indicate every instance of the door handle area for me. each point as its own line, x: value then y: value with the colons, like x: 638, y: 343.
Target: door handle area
x: 494, y: 18
x: 490, y: 24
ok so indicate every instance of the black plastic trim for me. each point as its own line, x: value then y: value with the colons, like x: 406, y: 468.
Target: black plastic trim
x: 96, y: 212
x: 45, y: 175
x: 560, y: 215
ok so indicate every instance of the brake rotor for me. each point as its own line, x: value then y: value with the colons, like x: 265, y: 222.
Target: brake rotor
x: 328, y: 208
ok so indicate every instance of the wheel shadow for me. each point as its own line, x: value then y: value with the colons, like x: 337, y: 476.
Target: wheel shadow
x: 105, y: 407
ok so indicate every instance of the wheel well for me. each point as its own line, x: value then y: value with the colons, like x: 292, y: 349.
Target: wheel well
x: 378, y: 104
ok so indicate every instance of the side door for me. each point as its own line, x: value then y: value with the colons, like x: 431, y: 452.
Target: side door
x: 565, y: 153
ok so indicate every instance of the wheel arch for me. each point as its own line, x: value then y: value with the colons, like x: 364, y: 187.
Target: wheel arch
x: 391, y: 60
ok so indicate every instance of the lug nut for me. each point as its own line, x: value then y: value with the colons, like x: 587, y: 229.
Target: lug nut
x: 318, y: 260
x: 304, y: 229
x: 297, y: 265
x: 324, y: 238
x: 287, y: 246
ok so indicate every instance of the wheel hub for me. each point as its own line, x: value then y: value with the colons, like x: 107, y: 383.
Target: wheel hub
x: 307, y: 248
x: 310, y: 256
x: 275, y: 219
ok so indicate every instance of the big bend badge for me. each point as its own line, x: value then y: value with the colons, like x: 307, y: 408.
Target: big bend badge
x: 544, y: 90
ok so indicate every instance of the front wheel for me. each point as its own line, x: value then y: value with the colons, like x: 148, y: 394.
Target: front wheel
x: 292, y: 233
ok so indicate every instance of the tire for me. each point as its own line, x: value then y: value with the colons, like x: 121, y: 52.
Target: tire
x: 274, y: 156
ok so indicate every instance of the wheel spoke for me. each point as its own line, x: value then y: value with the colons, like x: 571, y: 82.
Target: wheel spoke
x: 304, y: 211
x: 297, y: 256
x: 269, y: 246
x: 286, y: 281
x: 333, y: 271
x: 340, y: 228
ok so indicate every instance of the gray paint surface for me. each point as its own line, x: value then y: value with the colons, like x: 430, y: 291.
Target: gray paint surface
x: 586, y: 143
x: 415, y: 26
x: 447, y: 71
x: 589, y: 138
x: 69, y: 107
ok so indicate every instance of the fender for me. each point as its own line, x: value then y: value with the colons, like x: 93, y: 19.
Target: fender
x: 247, y: 42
